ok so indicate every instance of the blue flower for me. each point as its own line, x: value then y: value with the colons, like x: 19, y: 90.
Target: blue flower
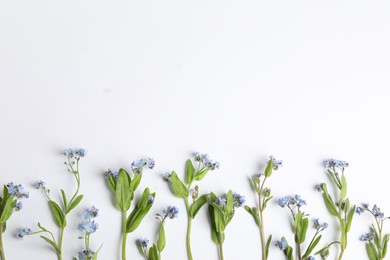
x: 17, y: 191
x: 88, y: 227
x: 284, y: 201
x: 299, y: 201
x: 18, y: 206
x: 282, y: 244
x: 40, y: 185
x: 69, y: 153
x: 367, y: 237
x: 194, y: 193
x: 239, y: 200
x: 112, y: 173
x: 333, y: 164
x: 138, y: 165
x: 377, y: 212
x: 276, y: 163
x: 171, y: 212
x: 91, y: 213
x: 23, y: 232
x: 311, y: 258
x: 166, y: 176
x: 359, y: 210
x: 85, y: 254
x: 150, y: 199
x: 291, y: 201
x: 150, y: 162
x: 81, y: 152
x: 207, y: 161
x: 318, y: 226
x: 258, y: 175
x: 221, y: 201
x: 142, y: 242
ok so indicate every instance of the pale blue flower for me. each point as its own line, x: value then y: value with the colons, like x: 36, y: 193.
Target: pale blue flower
x: 367, y: 237
x: 142, y: 242
x: 282, y: 244
x: 276, y: 163
x: 239, y: 200
x: 23, y: 232
x: 171, y: 212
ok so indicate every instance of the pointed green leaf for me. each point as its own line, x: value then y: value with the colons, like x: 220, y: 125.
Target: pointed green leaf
x: 123, y: 192
x: 197, y: 205
x: 190, y: 171
x: 64, y: 198
x: 311, y: 247
x: 330, y: 204
x: 7, y: 210
x: 350, y: 215
x: 139, y: 212
x: 303, y: 229
x: 343, y: 192
x: 385, y: 242
x: 179, y: 189
x: 201, y: 174
x: 74, y: 203
x: 95, y: 255
x: 153, y: 254
x: 58, y: 214
x: 371, y: 252
x: 254, y: 214
x: 269, y: 168
x: 161, y: 239
x: 54, y: 245
x: 111, y: 182
x: 134, y: 183
x: 267, y: 246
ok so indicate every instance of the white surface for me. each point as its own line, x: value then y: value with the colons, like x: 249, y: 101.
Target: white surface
x: 303, y: 80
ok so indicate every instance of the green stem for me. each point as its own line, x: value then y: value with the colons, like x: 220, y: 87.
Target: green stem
x: 2, y: 254
x: 124, y: 234
x: 341, y: 254
x: 189, y: 225
x: 60, y: 243
x: 220, y: 247
x: 261, y: 226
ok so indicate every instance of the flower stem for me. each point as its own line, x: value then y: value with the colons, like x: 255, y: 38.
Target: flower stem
x: 60, y: 243
x: 124, y: 234
x: 2, y: 254
x: 189, y: 225
x: 261, y: 226
x: 220, y: 247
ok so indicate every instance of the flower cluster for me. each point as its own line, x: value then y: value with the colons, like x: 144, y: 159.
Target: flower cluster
x: 239, y: 200
x: 112, y: 173
x: 23, y: 232
x: 207, y: 161
x: 85, y: 254
x: 143, y: 242
x: 289, y: 201
x: 171, y: 212
x: 17, y: 191
x: 88, y: 225
x: 139, y: 165
x: 334, y: 164
x: 77, y: 153
x: 281, y: 244
x: 276, y: 163
x: 375, y: 211
x: 166, y: 176
x: 319, y: 226
x: 367, y: 237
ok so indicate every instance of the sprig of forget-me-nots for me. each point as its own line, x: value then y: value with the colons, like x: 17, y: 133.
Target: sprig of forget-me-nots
x: 10, y: 202
x: 87, y: 227
x: 300, y: 227
x: 187, y: 192
x: 376, y: 241
x: 340, y: 206
x: 221, y: 212
x: 124, y: 187
x: 263, y: 197
x: 154, y: 252
x: 73, y: 157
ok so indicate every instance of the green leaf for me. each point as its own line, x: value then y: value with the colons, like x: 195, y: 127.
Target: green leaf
x: 371, y: 252
x: 58, y: 214
x: 123, y: 192
x: 349, y: 219
x: 343, y: 239
x: 161, y: 239
x: 190, y: 171
x: 343, y: 192
x: 289, y: 253
x: 213, y: 228
x: 54, y: 245
x: 254, y: 214
x: 95, y: 255
x: 303, y: 229
x: 178, y: 187
x: 297, y: 223
x: 311, y: 247
x: 197, y: 205
x: 64, y: 198
x: 385, y: 242
x: 269, y: 168
x: 153, y: 255
x: 330, y: 204
x: 7, y: 210
x: 267, y: 246
x: 74, y: 203
x: 265, y: 203
x: 139, y: 212
x: 111, y: 182
x: 135, y: 182
x: 201, y: 174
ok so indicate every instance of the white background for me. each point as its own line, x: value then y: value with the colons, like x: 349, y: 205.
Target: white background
x: 302, y: 80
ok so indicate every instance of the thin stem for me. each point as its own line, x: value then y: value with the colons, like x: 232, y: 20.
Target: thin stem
x: 189, y: 225
x: 161, y: 226
x: 2, y: 254
x: 124, y: 234
x: 298, y: 245
x: 220, y: 247
x: 60, y: 243
x: 261, y: 226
